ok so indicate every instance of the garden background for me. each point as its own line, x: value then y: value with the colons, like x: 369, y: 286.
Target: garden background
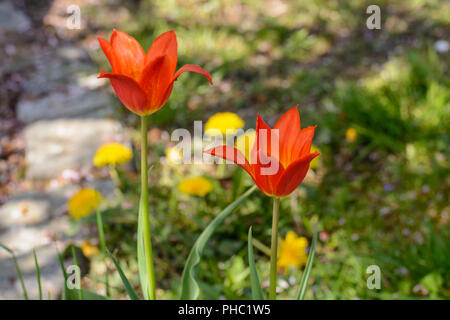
x: 380, y: 99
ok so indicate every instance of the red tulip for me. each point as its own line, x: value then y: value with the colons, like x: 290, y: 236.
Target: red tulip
x: 285, y: 149
x: 143, y: 82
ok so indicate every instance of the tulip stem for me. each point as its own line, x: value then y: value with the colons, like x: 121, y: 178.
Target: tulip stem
x: 145, y: 212
x: 274, y: 249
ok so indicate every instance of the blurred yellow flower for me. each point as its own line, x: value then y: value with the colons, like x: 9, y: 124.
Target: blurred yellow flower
x: 223, y: 121
x: 292, y: 251
x: 197, y: 186
x: 315, y: 162
x: 244, y: 143
x: 112, y: 154
x: 173, y: 156
x: 351, y: 135
x: 84, y: 202
x: 89, y: 249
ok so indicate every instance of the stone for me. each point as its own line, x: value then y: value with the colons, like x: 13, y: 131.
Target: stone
x: 13, y: 20
x: 54, y: 145
x: 44, y: 221
x: 25, y: 209
x: 74, y: 101
x: 63, y: 85
x: 31, y: 221
x: 54, y: 69
x: 25, y: 219
x: 52, y: 279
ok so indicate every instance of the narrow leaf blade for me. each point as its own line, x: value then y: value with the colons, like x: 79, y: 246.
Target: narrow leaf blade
x: 190, y: 289
x: 75, y: 261
x: 131, y: 293
x: 91, y: 295
x: 38, y: 274
x: 66, y: 291
x: 19, y: 273
x: 101, y: 236
x: 307, y: 271
x: 257, y: 293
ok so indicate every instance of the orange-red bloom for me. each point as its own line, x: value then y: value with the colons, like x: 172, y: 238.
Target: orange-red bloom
x: 143, y: 82
x: 285, y: 149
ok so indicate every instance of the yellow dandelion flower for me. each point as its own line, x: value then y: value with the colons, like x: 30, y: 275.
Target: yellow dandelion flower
x: 84, y: 202
x: 244, y: 143
x: 223, y: 121
x: 197, y: 186
x: 292, y: 251
x: 351, y: 135
x: 89, y: 249
x: 174, y: 156
x: 315, y: 163
x: 112, y: 154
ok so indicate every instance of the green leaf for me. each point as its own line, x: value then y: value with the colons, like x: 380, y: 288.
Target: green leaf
x: 141, y: 256
x: 101, y: 236
x: 131, y: 293
x: 90, y: 295
x: 7, y: 249
x: 307, y: 271
x: 63, y: 269
x: 19, y: 273
x: 257, y: 293
x: 190, y: 289
x: 141, y: 251
x: 75, y: 261
x: 38, y: 274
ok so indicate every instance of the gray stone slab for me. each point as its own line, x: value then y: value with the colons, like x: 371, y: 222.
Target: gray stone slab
x: 52, y: 279
x: 34, y: 220
x: 12, y: 20
x: 73, y: 101
x: 52, y: 146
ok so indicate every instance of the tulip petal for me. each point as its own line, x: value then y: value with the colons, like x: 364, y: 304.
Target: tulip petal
x: 156, y: 79
x: 166, y: 95
x: 268, y: 172
x: 128, y: 91
x: 302, y: 145
x: 231, y: 154
x: 164, y: 45
x: 289, y: 133
x: 187, y: 67
x: 107, y: 50
x: 294, y: 175
x: 128, y: 54
x: 263, y: 181
x: 192, y: 68
x: 266, y: 140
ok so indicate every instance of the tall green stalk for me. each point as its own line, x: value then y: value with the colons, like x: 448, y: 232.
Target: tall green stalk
x: 75, y: 261
x: 38, y: 274
x: 101, y: 236
x: 145, y: 212
x: 274, y: 249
